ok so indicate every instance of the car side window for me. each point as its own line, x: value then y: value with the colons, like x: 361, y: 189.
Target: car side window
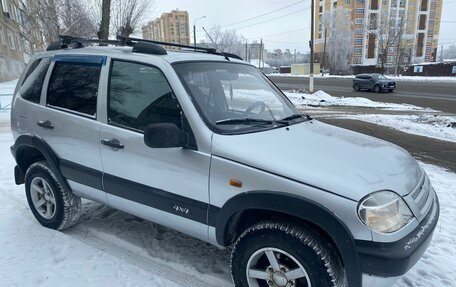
x: 34, y: 79
x: 74, y: 86
x: 139, y: 95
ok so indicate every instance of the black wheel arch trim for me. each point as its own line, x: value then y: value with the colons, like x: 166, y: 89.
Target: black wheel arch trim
x: 299, y: 207
x: 38, y: 143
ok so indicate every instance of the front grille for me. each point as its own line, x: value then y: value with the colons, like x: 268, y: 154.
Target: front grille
x: 421, y: 198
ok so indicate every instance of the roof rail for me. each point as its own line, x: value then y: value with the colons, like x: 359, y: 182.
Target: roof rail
x: 139, y: 45
x: 195, y: 48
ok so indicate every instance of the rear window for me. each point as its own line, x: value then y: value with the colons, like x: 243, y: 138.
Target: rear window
x: 74, y: 87
x: 34, y: 79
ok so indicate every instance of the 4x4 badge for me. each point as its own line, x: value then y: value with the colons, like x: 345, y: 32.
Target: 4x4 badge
x: 181, y: 209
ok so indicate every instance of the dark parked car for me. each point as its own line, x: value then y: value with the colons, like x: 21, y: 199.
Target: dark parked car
x: 373, y: 82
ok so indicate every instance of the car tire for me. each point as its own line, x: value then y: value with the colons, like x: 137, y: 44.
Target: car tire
x: 357, y: 87
x: 390, y: 91
x: 313, y: 260
x: 52, y: 205
x: 377, y: 89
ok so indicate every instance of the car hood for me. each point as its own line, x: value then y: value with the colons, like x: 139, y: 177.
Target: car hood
x: 334, y: 159
x: 386, y: 81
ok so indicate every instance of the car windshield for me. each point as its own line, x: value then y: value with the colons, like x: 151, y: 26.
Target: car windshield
x: 235, y: 98
x: 379, y: 77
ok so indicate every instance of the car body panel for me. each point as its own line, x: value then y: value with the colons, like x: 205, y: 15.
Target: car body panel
x: 333, y: 159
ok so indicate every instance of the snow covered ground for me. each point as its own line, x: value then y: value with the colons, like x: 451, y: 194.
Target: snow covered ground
x: 399, y: 78
x: 434, y: 126
x: 112, y: 248
x: 322, y: 99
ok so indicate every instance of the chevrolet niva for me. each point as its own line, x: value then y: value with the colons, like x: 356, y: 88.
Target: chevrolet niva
x: 204, y: 143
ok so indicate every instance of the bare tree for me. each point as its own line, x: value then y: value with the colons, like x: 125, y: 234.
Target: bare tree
x: 129, y: 15
x: 228, y: 41
x: 337, y: 24
x: 103, y: 31
x: 449, y: 52
x: 75, y: 19
x: 388, y: 34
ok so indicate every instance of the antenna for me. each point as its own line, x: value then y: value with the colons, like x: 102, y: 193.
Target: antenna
x: 215, y: 44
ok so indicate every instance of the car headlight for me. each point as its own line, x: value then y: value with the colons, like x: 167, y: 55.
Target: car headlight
x: 384, y: 211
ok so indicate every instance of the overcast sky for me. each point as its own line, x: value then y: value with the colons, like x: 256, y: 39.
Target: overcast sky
x: 288, y: 28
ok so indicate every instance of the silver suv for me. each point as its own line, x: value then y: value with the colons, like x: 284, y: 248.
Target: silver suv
x: 205, y: 144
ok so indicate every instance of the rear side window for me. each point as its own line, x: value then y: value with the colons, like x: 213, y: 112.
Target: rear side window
x: 74, y: 87
x: 140, y: 95
x: 34, y: 79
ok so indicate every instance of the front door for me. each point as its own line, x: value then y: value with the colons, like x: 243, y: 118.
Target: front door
x: 168, y: 186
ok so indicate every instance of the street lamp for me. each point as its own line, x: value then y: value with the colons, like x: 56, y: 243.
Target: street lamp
x: 194, y: 29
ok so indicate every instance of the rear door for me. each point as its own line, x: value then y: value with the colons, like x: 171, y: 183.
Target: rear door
x: 67, y: 120
x: 169, y: 185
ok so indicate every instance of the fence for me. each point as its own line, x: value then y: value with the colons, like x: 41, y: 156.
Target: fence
x: 5, y: 102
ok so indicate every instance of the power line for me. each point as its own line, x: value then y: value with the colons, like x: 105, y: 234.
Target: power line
x: 268, y: 13
x: 272, y: 19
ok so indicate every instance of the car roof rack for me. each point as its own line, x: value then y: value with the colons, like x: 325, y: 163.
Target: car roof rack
x: 139, y: 45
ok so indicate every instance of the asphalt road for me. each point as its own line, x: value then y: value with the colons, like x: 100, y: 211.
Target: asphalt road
x: 438, y: 96
x: 433, y: 151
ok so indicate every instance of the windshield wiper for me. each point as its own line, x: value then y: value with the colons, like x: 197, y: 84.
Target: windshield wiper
x: 243, y: 121
x: 295, y: 116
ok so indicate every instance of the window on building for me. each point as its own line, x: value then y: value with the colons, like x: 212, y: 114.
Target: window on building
x: 373, y: 21
x: 374, y: 4
x: 11, y: 43
x: 32, y: 85
x: 359, y: 11
x: 358, y: 41
x: 357, y: 51
x: 320, y: 9
x: 347, y: 2
x: 402, y: 3
x: 360, y: 1
x: 74, y: 87
x: 335, y: 4
x: 140, y: 95
x: 359, y: 21
x: 424, y: 5
x: 5, y: 6
x: 359, y: 32
x: 419, y: 45
x: 2, y: 38
x: 371, y: 46
x: 422, y: 22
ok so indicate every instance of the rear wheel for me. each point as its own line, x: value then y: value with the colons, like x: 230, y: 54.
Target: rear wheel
x: 275, y: 254
x: 52, y: 205
x: 377, y: 89
x: 357, y: 87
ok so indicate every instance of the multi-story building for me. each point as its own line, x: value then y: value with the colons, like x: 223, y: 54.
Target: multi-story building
x: 16, y: 46
x: 416, y: 41
x: 171, y: 27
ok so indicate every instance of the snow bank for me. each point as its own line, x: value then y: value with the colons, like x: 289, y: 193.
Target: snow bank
x: 322, y: 99
x: 433, y: 126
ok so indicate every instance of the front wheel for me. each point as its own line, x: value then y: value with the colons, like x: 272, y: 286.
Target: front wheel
x: 284, y: 255
x: 52, y: 205
x: 357, y: 87
x: 377, y: 89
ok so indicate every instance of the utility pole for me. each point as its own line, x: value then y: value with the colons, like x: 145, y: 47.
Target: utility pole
x: 246, y: 52
x: 311, y: 46
x: 324, y: 53
x: 259, y: 54
x: 398, y: 52
x: 194, y: 29
x: 441, y: 53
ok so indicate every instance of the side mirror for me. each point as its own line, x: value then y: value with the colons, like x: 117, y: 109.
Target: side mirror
x: 164, y: 135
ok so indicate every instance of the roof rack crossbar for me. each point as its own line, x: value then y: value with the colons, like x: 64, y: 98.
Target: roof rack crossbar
x: 207, y: 50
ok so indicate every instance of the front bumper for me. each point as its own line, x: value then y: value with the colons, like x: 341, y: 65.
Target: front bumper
x: 394, y: 259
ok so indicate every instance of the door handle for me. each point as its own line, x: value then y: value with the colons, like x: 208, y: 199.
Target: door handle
x: 45, y: 124
x: 114, y: 143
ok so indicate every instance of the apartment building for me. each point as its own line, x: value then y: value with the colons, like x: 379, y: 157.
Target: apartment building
x: 169, y: 27
x: 418, y: 38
